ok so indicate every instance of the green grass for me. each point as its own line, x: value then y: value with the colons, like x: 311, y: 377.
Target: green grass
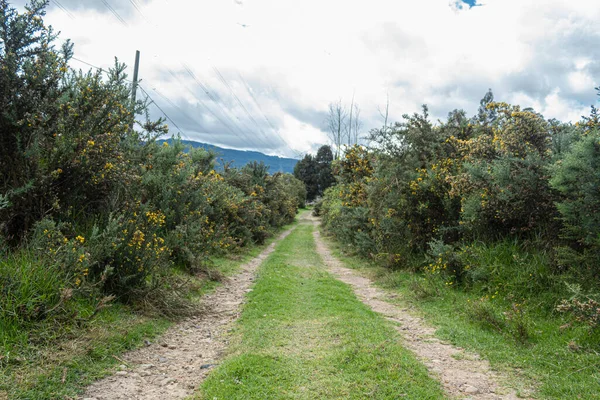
x: 304, y: 335
x: 86, y: 357
x: 36, y: 355
x: 544, y: 366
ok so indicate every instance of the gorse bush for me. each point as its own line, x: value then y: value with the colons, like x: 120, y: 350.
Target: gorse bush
x: 505, y: 203
x: 93, y: 211
x: 503, y: 181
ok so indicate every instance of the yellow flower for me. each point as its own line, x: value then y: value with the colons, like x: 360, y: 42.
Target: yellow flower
x: 138, y: 238
x: 80, y: 239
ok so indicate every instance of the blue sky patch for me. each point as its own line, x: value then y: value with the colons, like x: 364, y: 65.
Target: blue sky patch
x: 461, y: 4
x: 471, y: 3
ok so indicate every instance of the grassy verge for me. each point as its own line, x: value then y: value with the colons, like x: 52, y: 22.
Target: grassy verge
x: 304, y: 335
x: 53, y: 359
x: 547, y: 363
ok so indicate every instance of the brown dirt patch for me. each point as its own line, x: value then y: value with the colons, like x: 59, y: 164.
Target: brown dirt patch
x: 173, y: 366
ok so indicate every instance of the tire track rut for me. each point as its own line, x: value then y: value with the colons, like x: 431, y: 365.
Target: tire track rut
x: 179, y: 360
x: 462, y: 375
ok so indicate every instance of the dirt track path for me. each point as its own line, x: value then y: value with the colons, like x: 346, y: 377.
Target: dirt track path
x: 462, y: 375
x: 173, y: 366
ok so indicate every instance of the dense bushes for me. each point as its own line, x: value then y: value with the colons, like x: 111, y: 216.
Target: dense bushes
x: 505, y: 203
x: 577, y: 179
x: 92, y: 210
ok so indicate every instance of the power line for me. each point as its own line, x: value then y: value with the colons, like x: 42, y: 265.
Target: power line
x: 276, y: 131
x: 63, y: 8
x: 90, y: 65
x: 249, y: 90
x: 205, y: 88
x: 213, y: 96
x: 216, y: 101
x: 201, y: 102
x: 161, y: 110
x: 143, y: 90
x: 115, y: 13
x: 202, y: 127
x: 138, y: 9
x: 255, y: 102
x: 222, y: 79
x: 167, y: 99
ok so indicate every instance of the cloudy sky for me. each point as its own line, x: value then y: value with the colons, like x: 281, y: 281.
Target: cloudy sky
x: 259, y: 74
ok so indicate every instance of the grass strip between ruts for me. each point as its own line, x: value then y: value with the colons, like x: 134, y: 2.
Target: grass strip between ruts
x: 304, y: 335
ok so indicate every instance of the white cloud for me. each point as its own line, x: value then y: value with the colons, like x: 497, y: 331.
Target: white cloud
x: 312, y: 52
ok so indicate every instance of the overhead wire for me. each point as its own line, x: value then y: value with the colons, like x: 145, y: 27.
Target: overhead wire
x: 115, y: 13
x: 145, y: 92
x: 250, y: 92
x: 184, y: 113
x: 167, y: 99
x: 201, y: 102
x: 63, y: 8
x: 227, y: 113
x: 89, y: 65
x: 275, y: 130
x: 161, y: 110
x: 218, y: 103
x: 138, y: 8
x: 224, y: 81
x: 226, y: 84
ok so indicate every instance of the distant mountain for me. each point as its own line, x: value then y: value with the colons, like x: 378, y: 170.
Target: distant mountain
x: 239, y: 158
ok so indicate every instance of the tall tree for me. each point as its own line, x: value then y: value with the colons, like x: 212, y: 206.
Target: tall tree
x: 356, y: 124
x: 486, y: 115
x: 324, y: 158
x: 336, y: 125
x: 307, y: 171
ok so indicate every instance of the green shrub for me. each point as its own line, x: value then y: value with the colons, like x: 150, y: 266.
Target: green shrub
x: 577, y: 178
x: 503, y: 184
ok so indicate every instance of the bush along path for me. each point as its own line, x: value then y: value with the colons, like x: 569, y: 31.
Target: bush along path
x: 462, y: 374
x: 177, y: 362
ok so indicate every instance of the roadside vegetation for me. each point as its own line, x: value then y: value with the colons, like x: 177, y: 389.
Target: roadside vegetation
x: 492, y: 223
x: 101, y: 226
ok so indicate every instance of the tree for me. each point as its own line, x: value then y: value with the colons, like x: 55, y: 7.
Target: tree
x: 486, y: 115
x: 316, y: 172
x: 355, y: 125
x: 257, y: 171
x: 31, y: 70
x: 324, y: 158
x: 307, y: 171
x: 385, y: 113
x: 336, y: 125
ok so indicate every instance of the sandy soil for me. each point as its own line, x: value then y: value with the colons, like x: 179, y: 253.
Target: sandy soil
x: 463, y: 375
x: 173, y: 366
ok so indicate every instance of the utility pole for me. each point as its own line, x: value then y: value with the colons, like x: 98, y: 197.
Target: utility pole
x: 136, y: 69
